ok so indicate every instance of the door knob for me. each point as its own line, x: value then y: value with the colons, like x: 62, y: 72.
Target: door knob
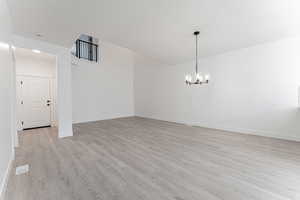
x: 48, y: 104
x: 48, y: 101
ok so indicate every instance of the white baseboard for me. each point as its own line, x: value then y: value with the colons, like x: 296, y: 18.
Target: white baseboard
x: 262, y: 133
x: 6, y: 177
x: 102, y: 119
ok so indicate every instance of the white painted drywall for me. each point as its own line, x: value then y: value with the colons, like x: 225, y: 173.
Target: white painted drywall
x: 28, y: 64
x: 253, y: 90
x: 64, y: 87
x: 6, y: 74
x: 103, y: 90
x: 36, y: 65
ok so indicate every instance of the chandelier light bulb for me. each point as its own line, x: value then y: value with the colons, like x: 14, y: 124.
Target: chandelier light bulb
x: 190, y: 78
x: 207, y: 77
x: 187, y: 77
x: 200, y: 78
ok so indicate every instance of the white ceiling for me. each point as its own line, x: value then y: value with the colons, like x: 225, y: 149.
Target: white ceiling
x: 29, y: 54
x: 161, y: 29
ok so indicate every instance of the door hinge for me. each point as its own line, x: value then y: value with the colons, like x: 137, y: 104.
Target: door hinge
x: 22, y: 102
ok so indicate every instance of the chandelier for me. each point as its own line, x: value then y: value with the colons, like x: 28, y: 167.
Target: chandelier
x: 198, y: 77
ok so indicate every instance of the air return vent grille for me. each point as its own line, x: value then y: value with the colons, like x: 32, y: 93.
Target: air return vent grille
x: 86, y: 47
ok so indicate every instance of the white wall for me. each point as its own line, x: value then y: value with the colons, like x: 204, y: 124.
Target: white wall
x: 36, y: 65
x: 104, y: 90
x: 64, y: 87
x: 6, y: 74
x: 253, y: 90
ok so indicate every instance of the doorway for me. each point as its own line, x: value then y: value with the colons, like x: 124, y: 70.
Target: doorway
x: 36, y: 89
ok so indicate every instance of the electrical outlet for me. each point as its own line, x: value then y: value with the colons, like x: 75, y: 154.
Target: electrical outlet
x: 23, y: 169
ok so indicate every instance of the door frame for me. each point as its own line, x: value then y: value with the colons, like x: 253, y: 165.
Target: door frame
x: 63, y: 80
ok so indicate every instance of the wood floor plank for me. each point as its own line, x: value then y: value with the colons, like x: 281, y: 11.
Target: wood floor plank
x: 143, y: 159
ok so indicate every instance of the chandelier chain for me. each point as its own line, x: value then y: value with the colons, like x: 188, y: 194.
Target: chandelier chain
x: 196, y: 53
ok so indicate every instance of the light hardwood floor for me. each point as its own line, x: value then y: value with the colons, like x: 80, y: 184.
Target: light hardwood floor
x: 144, y: 159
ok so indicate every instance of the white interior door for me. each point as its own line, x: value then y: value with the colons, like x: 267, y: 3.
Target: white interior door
x: 35, y: 100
